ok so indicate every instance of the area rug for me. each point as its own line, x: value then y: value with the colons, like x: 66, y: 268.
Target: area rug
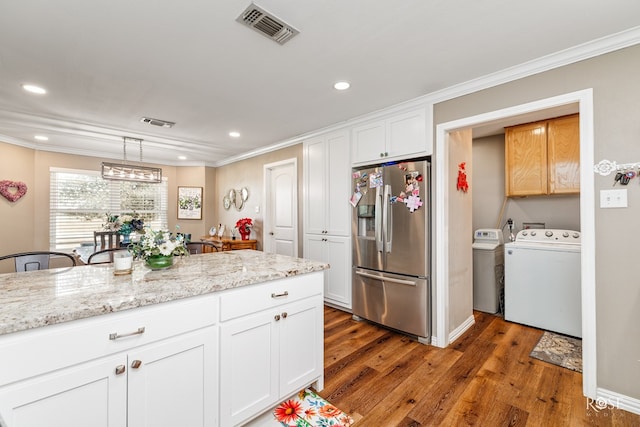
x: 308, y: 409
x: 560, y: 350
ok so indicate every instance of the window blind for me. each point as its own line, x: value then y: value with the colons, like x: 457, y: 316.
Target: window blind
x: 80, y: 200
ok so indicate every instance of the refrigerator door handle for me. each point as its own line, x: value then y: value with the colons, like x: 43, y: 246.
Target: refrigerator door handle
x: 386, y: 213
x: 386, y: 279
x: 378, y: 220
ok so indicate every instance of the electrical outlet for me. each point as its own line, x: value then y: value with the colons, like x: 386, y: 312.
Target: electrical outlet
x: 257, y: 209
x: 613, y: 198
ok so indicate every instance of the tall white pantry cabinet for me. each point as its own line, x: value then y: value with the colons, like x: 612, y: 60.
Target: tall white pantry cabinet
x: 327, y: 212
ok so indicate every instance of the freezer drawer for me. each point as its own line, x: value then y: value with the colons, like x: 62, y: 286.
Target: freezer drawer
x: 396, y: 301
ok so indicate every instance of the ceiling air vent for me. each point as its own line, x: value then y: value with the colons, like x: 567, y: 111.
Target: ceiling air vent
x: 157, y: 122
x: 267, y: 24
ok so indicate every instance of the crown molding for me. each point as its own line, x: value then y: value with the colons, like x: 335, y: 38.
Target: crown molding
x: 558, y: 59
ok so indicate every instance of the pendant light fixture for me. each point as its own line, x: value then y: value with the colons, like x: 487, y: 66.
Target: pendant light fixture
x: 126, y: 172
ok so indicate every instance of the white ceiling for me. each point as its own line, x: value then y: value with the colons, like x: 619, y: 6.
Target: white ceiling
x: 106, y: 64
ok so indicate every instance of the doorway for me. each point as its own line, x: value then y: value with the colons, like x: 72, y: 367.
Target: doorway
x: 443, y: 191
x: 281, y: 208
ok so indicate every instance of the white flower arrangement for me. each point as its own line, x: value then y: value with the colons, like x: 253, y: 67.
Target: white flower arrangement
x: 154, y: 243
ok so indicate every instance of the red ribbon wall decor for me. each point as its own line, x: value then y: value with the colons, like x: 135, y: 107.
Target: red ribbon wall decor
x: 462, y: 184
x: 12, y: 190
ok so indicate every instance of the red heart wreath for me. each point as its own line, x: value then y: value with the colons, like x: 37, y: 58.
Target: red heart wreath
x: 12, y: 190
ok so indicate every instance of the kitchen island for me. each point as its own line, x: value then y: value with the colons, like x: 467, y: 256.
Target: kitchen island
x: 206, y: 342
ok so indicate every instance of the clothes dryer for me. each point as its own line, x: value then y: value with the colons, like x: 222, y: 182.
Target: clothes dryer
x: 488, y: 269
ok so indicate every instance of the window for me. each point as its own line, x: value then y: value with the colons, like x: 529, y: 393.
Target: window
x: 80, y: 200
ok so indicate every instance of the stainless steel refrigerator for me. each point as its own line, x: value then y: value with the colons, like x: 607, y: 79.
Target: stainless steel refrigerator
x: 391, y: 246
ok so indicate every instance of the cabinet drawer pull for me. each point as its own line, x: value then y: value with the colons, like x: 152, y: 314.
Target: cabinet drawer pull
x: 277, y: 317
x: 120, y: 369
x: 284, y: 294
x: 115, y: 335
x: 284, y: 315
x: 136, y: 364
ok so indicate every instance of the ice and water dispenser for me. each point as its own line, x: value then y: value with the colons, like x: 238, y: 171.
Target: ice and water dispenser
x: 366, y: 221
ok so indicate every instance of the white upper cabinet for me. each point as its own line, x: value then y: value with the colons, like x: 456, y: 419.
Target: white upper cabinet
x: 394, y: 138
x: 327, y: 178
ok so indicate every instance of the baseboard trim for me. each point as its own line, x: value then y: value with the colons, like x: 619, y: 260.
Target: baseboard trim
x: 607, y: 399
x: 457, y: 332
x: 336, y: 305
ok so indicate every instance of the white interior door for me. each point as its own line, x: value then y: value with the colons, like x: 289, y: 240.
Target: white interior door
x: 281, y: 208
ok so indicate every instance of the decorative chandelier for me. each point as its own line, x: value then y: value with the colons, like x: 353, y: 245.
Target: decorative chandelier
x: 126, y: 172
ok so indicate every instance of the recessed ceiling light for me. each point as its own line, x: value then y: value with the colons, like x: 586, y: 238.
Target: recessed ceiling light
x: 182, y: 157
x: 234, y: 134
x: 342, y: 85
x: 41, y: 138
x: 34, y: 89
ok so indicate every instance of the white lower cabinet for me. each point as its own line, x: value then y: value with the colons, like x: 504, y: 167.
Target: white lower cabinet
x: 168, y: 383
x: 335, y: 251
x: 173, y: 382
x: 268, y: 355
x: 89, y: 394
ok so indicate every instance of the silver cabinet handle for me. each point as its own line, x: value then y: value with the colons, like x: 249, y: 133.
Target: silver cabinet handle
x: 115, y: 335
x: 136, y: 364
x: 284, y: 294
x: 120, y: 369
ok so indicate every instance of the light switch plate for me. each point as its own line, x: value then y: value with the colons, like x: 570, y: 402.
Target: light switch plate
x: 613, y: 198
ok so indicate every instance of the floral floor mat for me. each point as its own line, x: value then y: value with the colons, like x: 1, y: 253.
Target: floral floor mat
x: 307, y: 409
x: 560, y: 350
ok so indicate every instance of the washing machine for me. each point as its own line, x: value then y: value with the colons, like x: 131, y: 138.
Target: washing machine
x: 488, y: 268
x: 542, y: 280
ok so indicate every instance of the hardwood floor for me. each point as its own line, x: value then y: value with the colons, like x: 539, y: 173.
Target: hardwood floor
x: 485, y: 378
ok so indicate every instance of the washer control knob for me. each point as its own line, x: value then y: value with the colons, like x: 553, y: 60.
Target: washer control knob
x: 533, y: 233
x: 565, y: 234
x: 576, y: 235
x: 548, y: 233
x: 524, y: 233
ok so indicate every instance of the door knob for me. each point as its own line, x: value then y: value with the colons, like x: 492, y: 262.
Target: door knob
x: 277, y: 317
x: 120, y: 369
x: 136, y: 364
x: 271, y: 233
x: 284, y: 315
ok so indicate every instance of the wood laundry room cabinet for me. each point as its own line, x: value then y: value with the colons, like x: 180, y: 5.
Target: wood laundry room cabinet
x: 543, y: 157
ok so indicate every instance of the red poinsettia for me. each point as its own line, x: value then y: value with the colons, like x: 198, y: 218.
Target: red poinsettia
x: 288, y: 411
x: 244, y: 224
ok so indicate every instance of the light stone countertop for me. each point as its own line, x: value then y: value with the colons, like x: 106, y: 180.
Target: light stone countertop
x: 39, y: 298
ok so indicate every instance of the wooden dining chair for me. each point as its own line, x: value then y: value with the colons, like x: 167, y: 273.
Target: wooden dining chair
x: 106, y: 239
x: 36, y: 260
x: 198, y: 247
x: 104, y: 256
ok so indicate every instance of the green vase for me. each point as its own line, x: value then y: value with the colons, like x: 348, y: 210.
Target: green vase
x: 158, y: 262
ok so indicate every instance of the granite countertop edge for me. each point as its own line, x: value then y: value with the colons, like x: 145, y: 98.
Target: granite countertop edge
x: 41, y: 298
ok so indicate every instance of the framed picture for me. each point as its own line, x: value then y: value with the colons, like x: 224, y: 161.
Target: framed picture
x: 189, y: 202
